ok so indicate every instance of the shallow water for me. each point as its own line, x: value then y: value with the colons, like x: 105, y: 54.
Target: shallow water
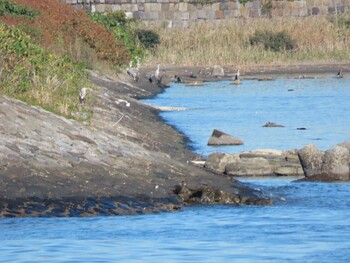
x: 321, y: 106
x: 309, y: 222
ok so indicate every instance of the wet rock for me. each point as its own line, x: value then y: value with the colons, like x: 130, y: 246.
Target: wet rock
x: 272, y: 124
x: 209, y: 195
x: 220, y: 138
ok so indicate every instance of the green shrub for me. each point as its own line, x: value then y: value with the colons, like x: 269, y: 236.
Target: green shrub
x: 12, y: 9
x: 123, y: 29
x: 148, y: 38
x: 31, y: 74
x: 279, y: 41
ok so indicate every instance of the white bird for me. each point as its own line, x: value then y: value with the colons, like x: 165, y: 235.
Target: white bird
x: 155, y: 76
x: 82, y: 95
x: 157, y: 72
x: 132, y: 72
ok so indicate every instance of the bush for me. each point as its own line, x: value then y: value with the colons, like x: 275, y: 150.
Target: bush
x: 148, y: 38
x: 122, y: 28
x: 12, y: 9
x: 279, y: 41
x: 31, y: 74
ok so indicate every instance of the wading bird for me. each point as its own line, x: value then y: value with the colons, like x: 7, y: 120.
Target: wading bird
x: 82, y: 95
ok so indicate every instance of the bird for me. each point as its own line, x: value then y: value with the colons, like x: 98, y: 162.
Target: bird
x: 138, y: 63
x: 237, y: 75
x: 155, y: 76
x: 237, y: 80
x: 133, y: 72
x: 127, y: 104
x: 340, y: 74
x: 82, y: 95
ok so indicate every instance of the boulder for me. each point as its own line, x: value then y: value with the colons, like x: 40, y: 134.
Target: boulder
x: 249, y: 167
x: 219, y: 138
x: 336, y: 163
x: 311, y: 160
x: 164, y: 81
x: 217, y: 161
x: 256, y: 163
x: 218, y: 71
x: 331, y: 165
x: 272, y: 124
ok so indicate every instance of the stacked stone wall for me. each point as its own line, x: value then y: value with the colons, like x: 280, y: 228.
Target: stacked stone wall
x: 187, y: 12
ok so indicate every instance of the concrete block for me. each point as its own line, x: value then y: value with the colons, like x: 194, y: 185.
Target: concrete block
x: 219, y: 14
x: 183, y: 7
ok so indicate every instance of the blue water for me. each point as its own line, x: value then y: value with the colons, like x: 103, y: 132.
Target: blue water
x: 309, y: 222
x: 321, y: 106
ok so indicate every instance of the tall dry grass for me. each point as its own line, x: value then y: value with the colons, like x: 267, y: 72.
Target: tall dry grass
x: 227, y: 43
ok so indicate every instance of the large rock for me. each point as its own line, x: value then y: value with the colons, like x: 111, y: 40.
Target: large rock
x: 219, y: 138
x: 218, y: 71
x: 311, y: 160
x: 331, y: 165
x: 256, y: 163
x: 164, y: 81
x: 217, y: 161
x: 336, y: 163
x: 272, y: 124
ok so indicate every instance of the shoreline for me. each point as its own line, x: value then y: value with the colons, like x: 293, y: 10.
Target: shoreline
x: 58, y: 167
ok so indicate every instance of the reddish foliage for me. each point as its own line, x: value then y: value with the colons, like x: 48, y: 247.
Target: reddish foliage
x: 61, y: 21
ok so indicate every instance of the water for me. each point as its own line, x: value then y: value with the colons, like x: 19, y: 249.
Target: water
x: 321, y: 106
x: 309, y: 222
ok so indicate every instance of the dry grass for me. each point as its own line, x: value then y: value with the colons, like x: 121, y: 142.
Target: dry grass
x: 316, y: 39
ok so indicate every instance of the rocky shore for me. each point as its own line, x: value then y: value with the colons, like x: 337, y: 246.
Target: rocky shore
x: 125, y: 161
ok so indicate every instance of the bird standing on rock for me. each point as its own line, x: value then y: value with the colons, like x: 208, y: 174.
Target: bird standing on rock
x: 155, y: 76
x: 340, y: 74
x: 237, y: 80
x: 133, y: 72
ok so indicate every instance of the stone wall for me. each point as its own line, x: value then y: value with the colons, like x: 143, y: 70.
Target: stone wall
x: 186, y: 12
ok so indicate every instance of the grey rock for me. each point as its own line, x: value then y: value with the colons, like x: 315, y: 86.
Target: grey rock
x: 218, y: 71
x: 336, y: 163
x: 272, y: 124
x: 311, y: 160
x: 256, y: 163
x: 164, y: 81
x: 217, y: 161
x: 221, y: 138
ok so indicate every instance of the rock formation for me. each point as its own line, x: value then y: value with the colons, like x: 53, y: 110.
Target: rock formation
x: 331, y: 165
x: 219, y: 138
x: 256, y: 163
